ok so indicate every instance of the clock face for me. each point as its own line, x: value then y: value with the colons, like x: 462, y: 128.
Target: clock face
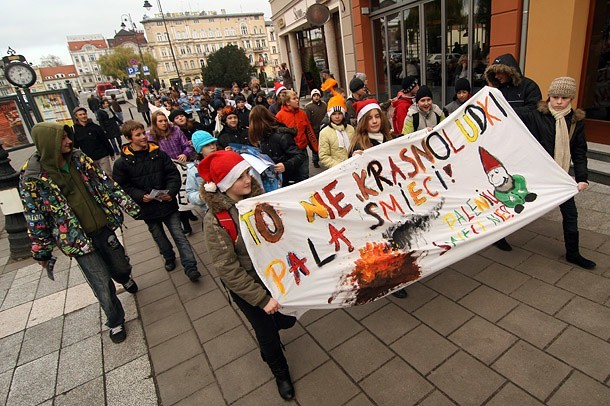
x: 20, y: 74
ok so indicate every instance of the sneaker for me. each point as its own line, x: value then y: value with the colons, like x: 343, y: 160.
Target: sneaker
x: 193, y: 275
x: 131, y: 286
x: 400, y: 294
x: 170, y: 264
x: 118, y: 334
x: 187, y: 230
x: 503, y: 245
x: 580, y: 261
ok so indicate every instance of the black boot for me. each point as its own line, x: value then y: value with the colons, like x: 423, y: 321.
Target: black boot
x: 184, y: 219
x: 503, y: 245
x: 279, y: 367
x: 573, y: 253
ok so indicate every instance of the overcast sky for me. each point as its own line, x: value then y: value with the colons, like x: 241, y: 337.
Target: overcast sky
x: 35, y: 28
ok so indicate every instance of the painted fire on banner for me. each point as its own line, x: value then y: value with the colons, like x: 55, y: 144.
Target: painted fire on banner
x: 402, y: 210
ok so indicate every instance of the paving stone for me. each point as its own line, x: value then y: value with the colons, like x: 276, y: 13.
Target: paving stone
x: 396, y: 383
x: 466, y: 380
x: 452, y: 284
x: 208, y: 396
x: 205, y: 304
x: 242, y: 376
x: 76, y: 276
x: 304, y: 355
x: 511, y: 395
x: 543, y: 268
x: 482, y: 339
x: 580, y: 390
x: 361, y: 355
x: 34, y: 382
x: 501, y: 277
x: 27, y: 274
x: 47, y: 308
x: 161, y: 309
x: 542, y: 296
x: 79, y: 363
x: 190, y: 291
x: 6, y: 280
x: 334, y: 329
x: 47, y: 287
x: 443, y: 315
x: 521, y: 237
x: 360, y: 312
x: 471, y: 265
x: 531, y: 369
x: 5, y: 385
x: 583, y: 351
x: 9, y: 351
x: 167, y: 328
x: 216, y: 323
x: 588, y: 316
x: 488, y: 303
x: 81, y: 324
x: 423, y: 348
x: 548, y: 247
x: 584, y: 283
x: 390, y: 323
x: 131, y: 384
x: 327, y: 382
x: 79, y: 296
x: 532, y: 325
x: 229, y: 346
x: 175, y: 350
x: 90, y: 393
x: 18, y: 295
x: 133, y: 347
x: 41, y: 340
x: 14, y: 319
x: 152, y: 278
x: 419, y: 295
x: 183, y: 380
x: 289, y: 335
x: 509, y: 258
x: 436, y: 398
x: 265, y: 394
x: 159, y: 291
x: 313, y: 315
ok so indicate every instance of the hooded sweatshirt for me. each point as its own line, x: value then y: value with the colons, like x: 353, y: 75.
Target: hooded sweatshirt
x: 424, y: 120
x: 520, y: 92
x: 64, y: 203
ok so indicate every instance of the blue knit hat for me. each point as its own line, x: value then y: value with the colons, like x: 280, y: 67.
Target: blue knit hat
x: 202, y: 138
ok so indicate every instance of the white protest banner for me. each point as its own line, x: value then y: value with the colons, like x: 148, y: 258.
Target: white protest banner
x: 402, y: 210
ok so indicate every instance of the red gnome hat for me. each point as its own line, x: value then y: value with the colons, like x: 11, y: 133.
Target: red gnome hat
x: 278, y: 87
x: 221, y: 169
x: 489, y: 161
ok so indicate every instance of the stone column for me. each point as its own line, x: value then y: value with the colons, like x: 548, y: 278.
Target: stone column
x: 295, y: 62
x: 331, y: 50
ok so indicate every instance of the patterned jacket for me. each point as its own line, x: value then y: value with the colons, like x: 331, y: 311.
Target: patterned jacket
x: 49, y: 217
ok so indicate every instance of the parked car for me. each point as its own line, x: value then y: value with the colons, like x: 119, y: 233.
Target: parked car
x: 101, y: 88
x: 435, y: 59
x: 120, y: 96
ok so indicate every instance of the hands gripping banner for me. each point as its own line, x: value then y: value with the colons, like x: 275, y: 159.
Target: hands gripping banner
x: 402, y: 210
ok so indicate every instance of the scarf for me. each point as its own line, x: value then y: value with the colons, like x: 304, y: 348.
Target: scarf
x: 377, y: 137
x: 342, y: 137
x: 562, y: 137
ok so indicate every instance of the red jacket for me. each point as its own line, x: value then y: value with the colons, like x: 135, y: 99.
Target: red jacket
x: 298, y: 119
x: 401, y: 107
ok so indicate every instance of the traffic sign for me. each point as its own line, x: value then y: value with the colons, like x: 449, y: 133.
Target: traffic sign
x: 145, y: 70
x: 133, y: 61
x: 132, y: 72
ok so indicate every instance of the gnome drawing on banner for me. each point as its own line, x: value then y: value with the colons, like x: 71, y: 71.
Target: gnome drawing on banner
x: 509, y: 189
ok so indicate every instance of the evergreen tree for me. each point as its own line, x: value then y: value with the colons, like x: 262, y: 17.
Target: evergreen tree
x: 227, y: 65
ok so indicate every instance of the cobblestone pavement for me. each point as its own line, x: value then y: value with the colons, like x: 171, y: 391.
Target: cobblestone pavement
x: 496, y: 328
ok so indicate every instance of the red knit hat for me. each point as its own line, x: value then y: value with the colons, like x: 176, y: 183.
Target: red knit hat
x: 489, y: 161
x: 364, y: 106
x: 221, y: 169
x: 278, y: 88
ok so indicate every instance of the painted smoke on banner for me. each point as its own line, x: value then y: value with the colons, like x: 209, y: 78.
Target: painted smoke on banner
x: 402, y: 210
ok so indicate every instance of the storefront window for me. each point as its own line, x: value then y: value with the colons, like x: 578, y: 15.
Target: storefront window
x: 480, y: 43
x: 597, y: 89
x: 313, y: 55
x: 434, y: 49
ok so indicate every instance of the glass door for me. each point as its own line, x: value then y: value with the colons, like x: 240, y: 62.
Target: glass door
x: 435, y: 54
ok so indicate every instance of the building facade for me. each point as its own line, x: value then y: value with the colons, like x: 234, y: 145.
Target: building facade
x: 303, y: 45
x: 132, y: 39
x: 57, y: 77
x: 194, y: 36
x: 85, y: 50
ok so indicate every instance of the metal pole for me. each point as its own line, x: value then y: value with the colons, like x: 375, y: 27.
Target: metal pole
x: 171, y: 48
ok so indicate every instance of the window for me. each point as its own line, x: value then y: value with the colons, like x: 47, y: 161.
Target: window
x: 203, y: 35
x: 226, y: 32
x: 195, y: 34
x: 159, y: 23
x: 168, y: 68
x: 92, y: 58
x: 195, y: 21
x: 178, y: 22
x: 271, y: 36
x: 218, y: 33
x: 159, y: 37
x: 263, y: 44
x: 255, y: 30
x: 273, y: 50
x: 251, y: 58
x: 210, y: 33
x: 211, y: 20
x: 244, y: 29
x: 182, y: 51
x: 206, y: 47
x: 192, y: 64
x: 188, y: 50
x: 232, y: 31
x: 163, y: 51
x: 198, y: 48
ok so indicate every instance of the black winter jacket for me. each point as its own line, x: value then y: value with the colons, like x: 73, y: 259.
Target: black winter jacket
x: 109, y: 123
x: 244, y: 117
x: 230, y: 135
x: 139, y: 172
x: 541, y: 124
x: 279, y: 145
x: 188, y: 132
x: 521, y: 92
x: 91, y: 139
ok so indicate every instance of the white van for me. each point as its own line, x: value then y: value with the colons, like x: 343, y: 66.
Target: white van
x: 120, y: 96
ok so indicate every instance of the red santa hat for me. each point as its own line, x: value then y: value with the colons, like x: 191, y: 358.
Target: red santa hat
x: 278, y: 88
x: 364, y: 106
x: 221, y: 169
x: 489, y: 161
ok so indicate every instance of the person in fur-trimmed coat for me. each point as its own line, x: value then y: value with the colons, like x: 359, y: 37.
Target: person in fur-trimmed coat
x: 560, y: 129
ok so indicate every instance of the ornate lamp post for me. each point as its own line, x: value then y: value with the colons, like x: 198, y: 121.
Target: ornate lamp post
x: 148, y: 6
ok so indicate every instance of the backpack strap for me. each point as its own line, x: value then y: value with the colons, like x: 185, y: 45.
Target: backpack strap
x: 415, y: 122
x: 226, y: 221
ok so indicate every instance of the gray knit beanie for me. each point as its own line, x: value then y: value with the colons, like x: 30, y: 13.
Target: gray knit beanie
x: 564, y: 86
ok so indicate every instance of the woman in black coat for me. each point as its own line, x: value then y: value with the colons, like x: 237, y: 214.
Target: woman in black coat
x: 277, y: 141
x: 110, y: 123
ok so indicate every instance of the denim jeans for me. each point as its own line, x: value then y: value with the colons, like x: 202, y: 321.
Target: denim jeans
x: 116, y: 145
x: 173, y: 224
x: 107, y: 262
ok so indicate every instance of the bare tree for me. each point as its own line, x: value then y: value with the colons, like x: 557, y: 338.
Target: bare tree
x: 48, y: 61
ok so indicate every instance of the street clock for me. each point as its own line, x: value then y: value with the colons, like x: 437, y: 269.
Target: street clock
x: 18, y: 72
